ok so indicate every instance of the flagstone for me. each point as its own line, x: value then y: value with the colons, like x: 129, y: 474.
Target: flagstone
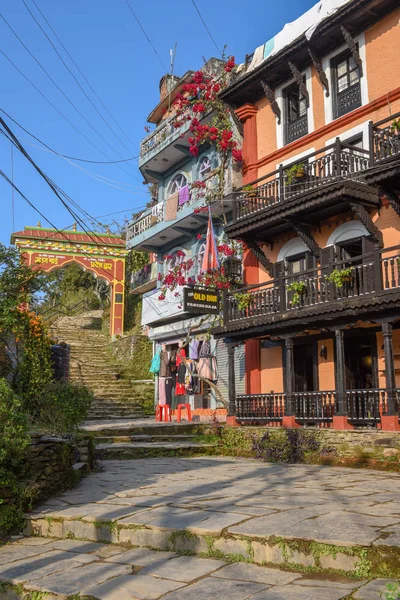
x: 134, y: 587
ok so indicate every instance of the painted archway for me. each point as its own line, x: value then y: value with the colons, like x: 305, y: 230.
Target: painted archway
x: 102, y: 254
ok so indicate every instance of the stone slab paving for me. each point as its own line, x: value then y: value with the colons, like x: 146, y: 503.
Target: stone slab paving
x: 217, y: 495
x: 144, y: 574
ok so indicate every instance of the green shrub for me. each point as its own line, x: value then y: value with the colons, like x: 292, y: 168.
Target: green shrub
x: 14, y: 437
x: 62, y: 407
x: 14, y: 440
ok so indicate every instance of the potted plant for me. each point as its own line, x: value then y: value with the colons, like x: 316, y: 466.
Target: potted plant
x: 251, y: 192
x: 242, y: 300
x: 295, y: 172
x: 395, y: 125
x: 299, y: 288
x: 341, y: 276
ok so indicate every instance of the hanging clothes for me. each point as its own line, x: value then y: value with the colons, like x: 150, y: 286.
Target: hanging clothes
x: 194, y: 346
x: 162, y: 398
x: 168, y: 390
x: 208, y: 363
x: 165, y: 364
x: 180, y: 388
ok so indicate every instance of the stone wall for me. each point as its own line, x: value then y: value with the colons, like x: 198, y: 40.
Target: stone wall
x: 53, y: 464
x: 370, y: 448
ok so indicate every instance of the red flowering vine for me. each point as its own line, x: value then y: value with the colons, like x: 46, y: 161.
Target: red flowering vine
x: 200, y: 98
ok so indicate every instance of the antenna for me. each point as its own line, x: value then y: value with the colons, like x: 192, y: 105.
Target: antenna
x: 172, y: 54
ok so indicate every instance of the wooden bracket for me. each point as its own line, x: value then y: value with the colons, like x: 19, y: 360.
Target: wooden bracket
x: 301, y: 83
x: 236, y: 120
x: 352, y: 46
x: 306, y: 236
x: 260, y: 256
x: 271, y: 100
x: 393, y: 197
x: 322, y: 78
x: 365, y: 218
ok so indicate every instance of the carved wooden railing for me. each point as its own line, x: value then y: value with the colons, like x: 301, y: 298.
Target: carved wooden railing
x: 315, y: 407
x: 260, y: 407
x: 333, y: 162
x: 377, y: 272
x: 385, y: 138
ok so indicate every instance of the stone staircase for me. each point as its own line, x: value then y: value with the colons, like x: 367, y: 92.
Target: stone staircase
x: 91, y: 364
x: 120, y: 441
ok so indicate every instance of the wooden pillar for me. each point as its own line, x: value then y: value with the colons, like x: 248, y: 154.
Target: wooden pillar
x: 231, y: 417
x: 340, y: 417
x: 248, y: 115
x: 289, y: 419
x: 390, y: 419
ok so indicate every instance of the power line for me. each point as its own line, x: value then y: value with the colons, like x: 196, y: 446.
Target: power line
x: 205, y: 25
x: 82, y: 74
x: 8, y: 180
x: 98, y: 162
x: 146, y: 36
x: 12, y: 189
x: 54, y: 187
x: 72, y: 75
x: 65, y: 95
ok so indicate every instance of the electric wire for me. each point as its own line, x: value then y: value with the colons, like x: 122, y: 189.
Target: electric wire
x: 53, y: 186
x: 99, y: 162
x: 205, y: 25
x: 83, y: 75
x: 75, y: 79
x: 59, y: 231
x: 65, y: 96
x: 146, y: 36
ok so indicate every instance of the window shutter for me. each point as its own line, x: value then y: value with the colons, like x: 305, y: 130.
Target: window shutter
x: 371, y: 271
x: 326, y: 256
x: 311, y: 261
x: 278, y: 268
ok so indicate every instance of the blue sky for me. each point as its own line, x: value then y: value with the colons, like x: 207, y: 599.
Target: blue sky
x: 111, y: 50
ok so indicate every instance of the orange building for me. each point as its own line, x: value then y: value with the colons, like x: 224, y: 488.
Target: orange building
x: 320, y: 214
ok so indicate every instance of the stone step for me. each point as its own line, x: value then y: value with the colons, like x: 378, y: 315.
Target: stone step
x: 125, y: 427
x: 139, y: 439
x: 132, y: 450
x: 66, y: 569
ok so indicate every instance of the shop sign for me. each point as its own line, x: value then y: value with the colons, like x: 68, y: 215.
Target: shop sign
x: 201, y: 300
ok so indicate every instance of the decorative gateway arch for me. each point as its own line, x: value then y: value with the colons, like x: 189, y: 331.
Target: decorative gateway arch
x: 102, y: 254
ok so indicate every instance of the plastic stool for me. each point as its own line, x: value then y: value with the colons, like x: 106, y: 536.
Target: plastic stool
x: 163, y: 413
x: 179, y: 412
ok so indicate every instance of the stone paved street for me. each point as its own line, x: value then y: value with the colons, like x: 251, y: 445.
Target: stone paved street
x: 126, y: 532
x: 67, y: 567
x: 208, y: 495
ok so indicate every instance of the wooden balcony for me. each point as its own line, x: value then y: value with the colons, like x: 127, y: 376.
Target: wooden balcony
x: 330, y: 178
x: 364, y: 407
x: 374, y: 281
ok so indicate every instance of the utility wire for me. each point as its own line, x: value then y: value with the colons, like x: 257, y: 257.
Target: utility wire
x: 146, y: 36
x: 98, y: 162
x: 12, y: 189
x: 82, y: 74
x: 205, y: 25
x: 73, y: 76
x: 54, y: 187
x: 63, y: 93
x: 2, y: 174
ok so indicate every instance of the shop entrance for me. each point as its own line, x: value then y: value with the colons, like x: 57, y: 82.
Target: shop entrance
x: 360, y: 361
x: 305, y: 368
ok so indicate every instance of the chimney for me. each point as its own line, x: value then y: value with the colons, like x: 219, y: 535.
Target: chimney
x: 167, y: 82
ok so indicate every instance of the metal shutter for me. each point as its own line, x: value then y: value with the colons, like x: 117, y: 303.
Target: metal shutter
x: 221, y: 353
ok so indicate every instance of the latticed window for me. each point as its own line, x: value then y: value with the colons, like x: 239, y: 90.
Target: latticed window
x: 177, y: 183
x: 346, y: 84
x: 205, y: 167
x: 296, y: 124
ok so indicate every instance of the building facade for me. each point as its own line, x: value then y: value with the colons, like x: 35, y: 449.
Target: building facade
x: 320, y: 214
x: 173, y: 231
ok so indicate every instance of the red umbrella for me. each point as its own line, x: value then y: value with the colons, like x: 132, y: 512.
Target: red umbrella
x: 210, y: 260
